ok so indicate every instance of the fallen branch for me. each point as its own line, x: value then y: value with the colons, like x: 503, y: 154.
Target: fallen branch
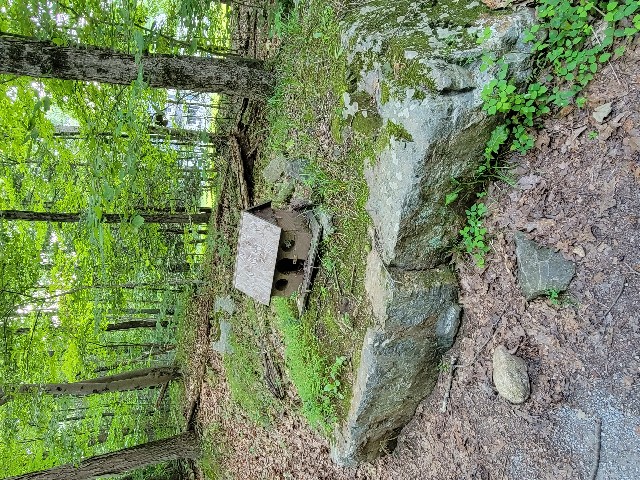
x: 596, y: 454
x: 272, y: 375
x: 335, y: 276
x: 631, y: 269
x: 615, y: 300
x: 595, y: 35
x: 447, y: 392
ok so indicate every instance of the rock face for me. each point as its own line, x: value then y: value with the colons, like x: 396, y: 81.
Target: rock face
x: 421, y: 65
x: 419, y: 62
x: 541, y: 269
x: 510, y: 376
x: 398, y: 366
x: 447, y: 327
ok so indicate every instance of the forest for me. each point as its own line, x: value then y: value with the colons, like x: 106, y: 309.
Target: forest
x: 135, y: 135
x: 114, y: 118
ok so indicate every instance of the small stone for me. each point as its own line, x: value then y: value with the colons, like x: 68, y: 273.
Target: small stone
x: 223, y: 344
x: 297, y: 169
x: 326, y: 221
x: 601, y: 112
x: 224, y: 304
x: 540, y: 269
x: 579, y: 251
x: 510, y: 376
x: 275, y: 169
x: 447, y: 326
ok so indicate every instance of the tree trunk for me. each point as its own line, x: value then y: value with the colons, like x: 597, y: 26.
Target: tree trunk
x: 106, y: 217
x: 135, y: 380
x: 34, y: 58
x: 130, y: 324
x: 188, y: 136
x: 181, y: 446
x: 150, y: 354
x: 147, y: 311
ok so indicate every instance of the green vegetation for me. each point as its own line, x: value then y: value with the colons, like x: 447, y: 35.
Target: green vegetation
x: 568, y: 52
x: 213, y: 448
x: 317, y: 381
x: 245, y: 370
x: 473, y: 234
x: 317, y: 344
x: 553, y: 296
x: 99, y: 296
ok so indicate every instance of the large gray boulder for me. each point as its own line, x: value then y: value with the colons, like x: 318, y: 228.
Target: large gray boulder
x: 399, y: 359
x: 419, y: 62
x: 421, y: 65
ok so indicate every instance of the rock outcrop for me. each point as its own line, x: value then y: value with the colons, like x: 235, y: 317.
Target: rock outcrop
x: 399, y: 360
x: 420, y: 64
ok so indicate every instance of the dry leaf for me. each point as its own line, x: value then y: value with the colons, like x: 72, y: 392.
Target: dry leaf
x: 565, y: 111
x: 587, y: 235
x: 608, y: 201
x: 579, y: 251
x: 601, y: 112
x: 576, y: 133
x: 605, y: 133
x: 617, y: 121
x: 633, y: 143
x: 529, y: 182
x: 542, y: 141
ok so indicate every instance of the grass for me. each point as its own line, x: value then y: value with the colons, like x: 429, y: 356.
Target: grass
x: 244, y: 368
x: 306, y: 121
x: 309, y: 368
x: 212, y: 451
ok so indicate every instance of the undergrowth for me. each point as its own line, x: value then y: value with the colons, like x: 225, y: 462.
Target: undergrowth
x: 313, y: 77
x: 571, y: 42
x: 316, y: 380
x: 244, y: 368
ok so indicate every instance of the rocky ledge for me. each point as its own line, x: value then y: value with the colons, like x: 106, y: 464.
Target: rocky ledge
x: 419, y: 64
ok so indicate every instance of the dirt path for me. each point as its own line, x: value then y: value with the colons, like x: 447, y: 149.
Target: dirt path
x: 579, y: 194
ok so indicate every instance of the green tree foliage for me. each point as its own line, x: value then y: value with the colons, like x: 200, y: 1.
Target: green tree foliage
x: 94, y: 149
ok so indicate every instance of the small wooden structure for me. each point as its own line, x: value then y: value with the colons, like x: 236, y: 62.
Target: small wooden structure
x: 273, y: 247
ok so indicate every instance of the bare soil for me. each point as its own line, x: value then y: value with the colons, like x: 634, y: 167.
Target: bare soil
x: 577, y: 193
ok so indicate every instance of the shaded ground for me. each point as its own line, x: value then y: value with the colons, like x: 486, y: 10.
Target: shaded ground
x: 576, y: 193
x: 580, y: 195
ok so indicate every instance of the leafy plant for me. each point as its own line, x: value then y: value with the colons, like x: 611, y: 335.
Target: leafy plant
x: 553, y: 296
x: 473, y: 234
x: 333, y: 386
x: 567, y: 57
x: 444, y: 366
x: 593, y: 135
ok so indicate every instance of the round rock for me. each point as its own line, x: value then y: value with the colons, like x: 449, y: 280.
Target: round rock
x: 510, y: 376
